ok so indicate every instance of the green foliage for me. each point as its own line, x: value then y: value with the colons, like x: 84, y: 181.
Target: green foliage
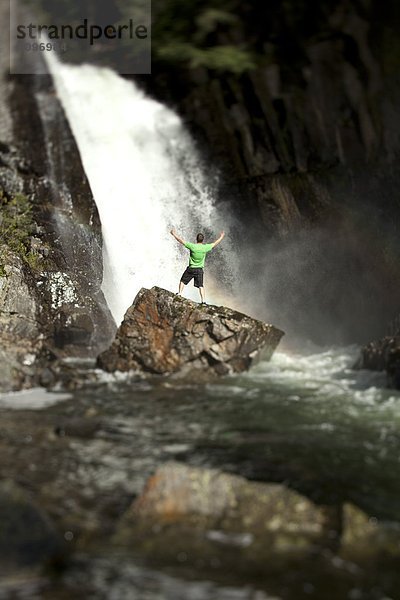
x: 16, y: 223
x: 16, y: 229
x: 209, y: 20
x: 191, y: 33
x: 194, y: 33
x: 218, y: 58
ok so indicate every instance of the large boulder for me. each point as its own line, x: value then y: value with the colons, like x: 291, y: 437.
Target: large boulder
x: 164, y: 333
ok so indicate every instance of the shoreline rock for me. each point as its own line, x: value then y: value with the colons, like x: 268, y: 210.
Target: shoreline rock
x: 383, y: 355
x: 163, y: 333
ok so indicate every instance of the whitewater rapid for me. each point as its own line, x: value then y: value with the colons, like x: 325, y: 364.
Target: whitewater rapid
x: 146, y: 177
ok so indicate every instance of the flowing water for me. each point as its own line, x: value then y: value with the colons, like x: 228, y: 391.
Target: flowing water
x: 308, y: 419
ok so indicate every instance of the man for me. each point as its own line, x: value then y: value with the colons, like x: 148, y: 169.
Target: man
x: 198, y: 253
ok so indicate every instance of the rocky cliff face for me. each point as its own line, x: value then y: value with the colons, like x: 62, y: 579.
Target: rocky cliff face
x: 320, y: 99
x: 51, y: 302
x: 164, y: 333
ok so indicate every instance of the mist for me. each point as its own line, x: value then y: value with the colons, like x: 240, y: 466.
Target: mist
x: 321, y: 286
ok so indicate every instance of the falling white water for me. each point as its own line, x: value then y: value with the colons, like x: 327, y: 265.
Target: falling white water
x: 146, y: 178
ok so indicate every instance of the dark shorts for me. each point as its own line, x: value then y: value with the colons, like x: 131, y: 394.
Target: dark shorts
x: 192, y: 272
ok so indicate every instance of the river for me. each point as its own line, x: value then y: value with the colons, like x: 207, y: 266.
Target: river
x: 310, y: 421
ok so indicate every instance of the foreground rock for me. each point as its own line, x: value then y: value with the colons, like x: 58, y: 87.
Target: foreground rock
x: 228, y: 509
x: 192, y: 509
x: 27, y: 536
x: 165, y: 333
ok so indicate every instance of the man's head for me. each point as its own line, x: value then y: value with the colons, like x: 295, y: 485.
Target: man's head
x: 200, y: 238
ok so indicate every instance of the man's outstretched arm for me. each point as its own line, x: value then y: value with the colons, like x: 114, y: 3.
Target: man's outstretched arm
x: 221, y: 237
x: 176, y: 236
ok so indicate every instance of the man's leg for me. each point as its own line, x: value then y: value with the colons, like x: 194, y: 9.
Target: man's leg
x: 186, y: 277
x: 198, y: 282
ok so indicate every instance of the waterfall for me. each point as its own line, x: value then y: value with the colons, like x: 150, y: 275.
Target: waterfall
x: 146, y: 177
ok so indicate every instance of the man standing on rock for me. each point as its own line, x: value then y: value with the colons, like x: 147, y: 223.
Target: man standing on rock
x: 198, y: 253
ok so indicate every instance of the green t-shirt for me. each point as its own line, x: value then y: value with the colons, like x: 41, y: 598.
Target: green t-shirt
x: 198, y: 253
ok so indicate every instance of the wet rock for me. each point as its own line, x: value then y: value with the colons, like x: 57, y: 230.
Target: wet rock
x: 39, y: 321
x: 74, y: 327
x: 47, y: 377
x: 18, y: 301
x: 165, y: 333
x: 383, y: 355
x: 81, y: 427
x: 27, y: 536
x: 228, y: 508
x: 393, y: 366
x: 72, y: 373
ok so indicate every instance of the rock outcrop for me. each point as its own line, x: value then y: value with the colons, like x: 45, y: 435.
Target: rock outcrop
x: 163, y: 333
x: 20, y: 337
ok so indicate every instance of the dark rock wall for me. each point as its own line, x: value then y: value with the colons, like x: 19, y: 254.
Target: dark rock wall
x: 323, y: 92
x: 54, y: 180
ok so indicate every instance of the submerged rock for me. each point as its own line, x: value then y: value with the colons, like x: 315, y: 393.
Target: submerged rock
x: 228, y: 509
x: 165, y: 333
x: 200, y: 512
